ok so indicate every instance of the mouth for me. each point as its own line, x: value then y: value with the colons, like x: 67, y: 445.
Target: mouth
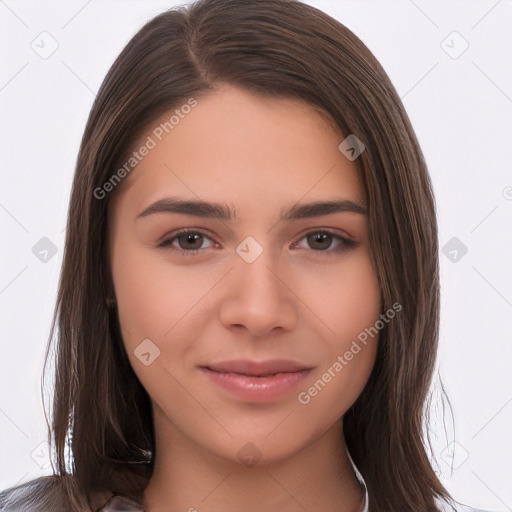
x: 256, y: 381
x: 258, y: 368
x: 255, y: 375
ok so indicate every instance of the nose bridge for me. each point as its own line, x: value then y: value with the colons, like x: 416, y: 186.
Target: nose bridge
x: 257, y: 297
x: 256, y: 271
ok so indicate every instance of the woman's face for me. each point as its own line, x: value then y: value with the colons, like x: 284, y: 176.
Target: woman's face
x: 259, y: 278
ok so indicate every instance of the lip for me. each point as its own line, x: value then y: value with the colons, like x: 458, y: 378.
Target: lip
x: 257, y: 368
x: 257, y: 381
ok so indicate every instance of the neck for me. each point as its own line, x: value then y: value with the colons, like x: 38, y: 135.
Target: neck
x: 187, y: 477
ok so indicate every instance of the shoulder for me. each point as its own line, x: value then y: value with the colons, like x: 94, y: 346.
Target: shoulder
x: 46, y: 493
x: 43, y: 493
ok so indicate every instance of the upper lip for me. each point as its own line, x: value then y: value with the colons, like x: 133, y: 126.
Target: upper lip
x: 258, y: 368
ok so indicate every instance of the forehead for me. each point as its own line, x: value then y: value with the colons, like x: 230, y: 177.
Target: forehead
x: 240, y: 147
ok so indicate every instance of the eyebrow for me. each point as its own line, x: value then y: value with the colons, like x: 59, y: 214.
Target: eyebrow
x: 211, y: 210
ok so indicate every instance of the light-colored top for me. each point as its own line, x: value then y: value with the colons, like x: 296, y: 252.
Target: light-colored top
x: 361, y: 481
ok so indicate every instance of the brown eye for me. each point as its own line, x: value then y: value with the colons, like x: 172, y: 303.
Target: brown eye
x: 324, y: 241
x: 190, y: 241
x: 187, y: 242
x: 320, y: 241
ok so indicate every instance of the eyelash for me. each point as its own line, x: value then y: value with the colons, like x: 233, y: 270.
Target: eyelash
x: 346, y: 243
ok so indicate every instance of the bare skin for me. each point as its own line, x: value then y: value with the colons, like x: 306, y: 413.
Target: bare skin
x: 302, y: 299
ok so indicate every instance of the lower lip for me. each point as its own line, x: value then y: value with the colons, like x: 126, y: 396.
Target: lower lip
x: 260, y: 389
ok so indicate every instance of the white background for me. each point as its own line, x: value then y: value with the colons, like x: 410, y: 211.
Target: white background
x: 461, y: 110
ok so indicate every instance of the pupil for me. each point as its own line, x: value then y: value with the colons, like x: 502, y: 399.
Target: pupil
x: 191, y: 238
x: 321, y: 237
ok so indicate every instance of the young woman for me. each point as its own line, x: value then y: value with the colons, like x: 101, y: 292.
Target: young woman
x: 248, y: 308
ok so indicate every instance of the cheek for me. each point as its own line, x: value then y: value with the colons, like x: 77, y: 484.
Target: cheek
x: 345, y: 298
x: 358, y: 303
x: 151, y: 295
x: 162, y: 302
x: 350, y: 307
x: 138, y: 292
x: 345, y: 369
x: 152, y: 303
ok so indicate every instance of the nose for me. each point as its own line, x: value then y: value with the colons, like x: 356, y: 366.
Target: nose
x: 259, y: 299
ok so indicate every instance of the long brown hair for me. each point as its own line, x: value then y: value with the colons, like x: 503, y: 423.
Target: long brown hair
x: 102, y: 422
